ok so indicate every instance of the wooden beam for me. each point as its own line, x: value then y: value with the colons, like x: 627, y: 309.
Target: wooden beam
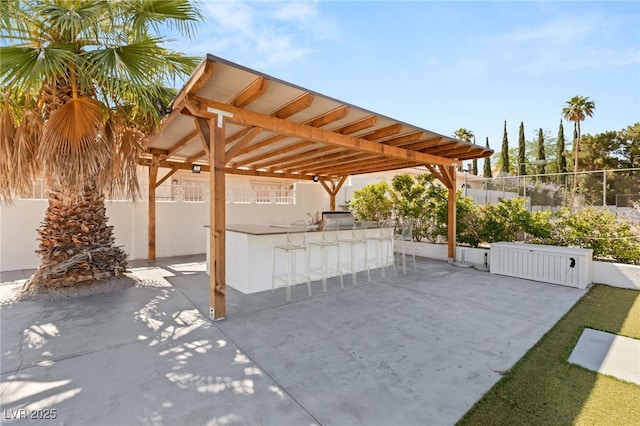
x: 182, y: 142
x: 271, y: 154
x: 151, y: 228
x: 196, y: 156
x: 196, y: 82
x: 320, y: 121
x: 333, y: 190
x: 405, y: 139
x: 336, y: 159
x: 228, y: 170
x: 366, y: 167
x: 438, y: 175
x: 329, y: 117
x: 200, y: 107
x: 385, y: 166
x: 425, y: 143
x: 203, y: 130
x: 295, y: 106
x: 359, y: 125
x: 308, y: 156
x: 250, y: 93
x: 167, y: 176
x: 157, y: 151
x: 383, y: 132
x: 301, y: 160
x: 372, y: 164
x: 233, y: 151
x: 451, y: 216
x: 345, y: 164
x: 217, y: 223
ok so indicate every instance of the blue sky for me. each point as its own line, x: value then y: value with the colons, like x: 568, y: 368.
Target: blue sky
x: 443, y: 65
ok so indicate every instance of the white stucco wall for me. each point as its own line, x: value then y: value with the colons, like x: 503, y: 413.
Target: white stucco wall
x: 179, y: 225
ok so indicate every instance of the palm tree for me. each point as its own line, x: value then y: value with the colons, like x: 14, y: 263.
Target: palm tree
x: 80, y: 80
x: 464, y: 134
x: 576, y: 110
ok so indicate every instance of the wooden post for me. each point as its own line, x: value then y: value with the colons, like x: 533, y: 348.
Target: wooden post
x: 333, y: 191
x: 153, y: 176
x: 217, y: 222
x: 451, y: 217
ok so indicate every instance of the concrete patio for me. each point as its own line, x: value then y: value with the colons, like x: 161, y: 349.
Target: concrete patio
x: 419, y: 348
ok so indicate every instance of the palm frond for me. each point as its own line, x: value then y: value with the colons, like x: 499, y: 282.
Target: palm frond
x: 73, y: 148
x: 28, y: 67
x: 7, y: 145
x: 181, y: 15
x: 128, y: 146
x: 27, y: 139
x: 68, y: 19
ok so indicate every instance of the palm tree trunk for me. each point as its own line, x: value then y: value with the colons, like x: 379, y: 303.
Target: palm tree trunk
x: 76, y: 244
x: 576, y: 150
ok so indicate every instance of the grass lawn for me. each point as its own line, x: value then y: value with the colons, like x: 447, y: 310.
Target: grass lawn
x: 544, y: 389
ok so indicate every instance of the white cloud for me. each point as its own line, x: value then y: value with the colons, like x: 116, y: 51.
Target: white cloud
x: 262, y: 34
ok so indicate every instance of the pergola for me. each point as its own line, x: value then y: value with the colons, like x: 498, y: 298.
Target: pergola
x: 231, y: 119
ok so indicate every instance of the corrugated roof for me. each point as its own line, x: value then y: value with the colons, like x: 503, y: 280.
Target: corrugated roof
x: 280, y: 129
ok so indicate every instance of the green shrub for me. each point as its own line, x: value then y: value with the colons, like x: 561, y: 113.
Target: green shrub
x: 610, y: 238
x: 373, y: 202
x: 508, y: 220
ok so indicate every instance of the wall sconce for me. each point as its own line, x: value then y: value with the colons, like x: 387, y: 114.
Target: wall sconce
x: 195, y: 168
x: 316, y: 178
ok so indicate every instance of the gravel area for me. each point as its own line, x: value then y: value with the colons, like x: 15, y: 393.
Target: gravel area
x: 12, y: 291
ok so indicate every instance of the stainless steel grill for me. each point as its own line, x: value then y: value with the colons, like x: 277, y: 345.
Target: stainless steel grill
x: 344, y: 219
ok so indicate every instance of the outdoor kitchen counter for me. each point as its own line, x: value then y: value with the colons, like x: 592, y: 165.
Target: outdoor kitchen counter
x: 282, y: 229
x: 249, y: 253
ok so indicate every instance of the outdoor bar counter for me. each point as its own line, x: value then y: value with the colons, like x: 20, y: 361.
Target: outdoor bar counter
x: 249, y: 253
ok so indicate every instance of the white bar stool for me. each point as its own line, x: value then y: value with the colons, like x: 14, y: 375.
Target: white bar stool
x: 406, y: 238
x: 358, y: 237
x: 296, y: 242
x: 329, y: 239
x: 384, y: 247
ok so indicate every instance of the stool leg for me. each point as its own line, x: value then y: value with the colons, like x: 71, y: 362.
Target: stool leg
x: 288, y: 283
x: 306, y: 258
x: 339, y: 265
x: 324, y: 268
x: 366, y: 260
x: 273, y: 272
x: 353, y: 264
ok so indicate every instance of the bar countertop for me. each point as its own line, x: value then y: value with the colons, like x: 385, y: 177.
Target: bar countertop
x: 252, y: 229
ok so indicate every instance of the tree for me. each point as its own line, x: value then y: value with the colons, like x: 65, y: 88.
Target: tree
x: 372, y: 202
x: 474, y: 168
x: 464, y: 134
x: 541, y: 157
x: 561, y: 160
x: 487, y: 164
x: 81, y: 80
x: 505, y: 151
x: 576, y: 110
x: 522, y: 160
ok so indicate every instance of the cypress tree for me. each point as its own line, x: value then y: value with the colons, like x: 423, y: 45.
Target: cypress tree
x: 505, y: 151
x: 541, y: 156
x: 522, y: 167
x: 474, y: 169
x: 487, y: 165
x: 560, y: 157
